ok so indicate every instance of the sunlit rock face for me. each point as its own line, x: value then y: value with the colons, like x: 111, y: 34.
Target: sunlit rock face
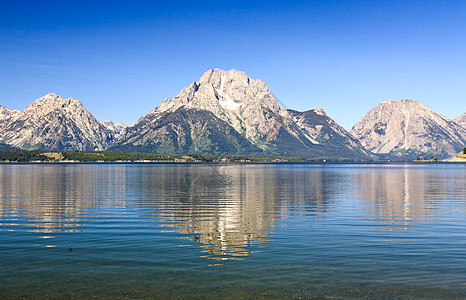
x: 7, y: 116
x: 409, y: 129
x: 117, y: 129
x: 233, y: 100
x: 244, y: 103
x: 54, y: 123
x: 325, y: 132
x: 461, y: 120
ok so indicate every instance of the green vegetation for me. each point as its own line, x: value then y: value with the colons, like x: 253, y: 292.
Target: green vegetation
x: 21, y: 156
x: 117, y: 156
x: 432, y: 159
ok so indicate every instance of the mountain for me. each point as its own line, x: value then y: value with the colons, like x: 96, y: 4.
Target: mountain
x: 54, y: 123
x: 243, y: 105
x: 324, y: 130
x: 185, y: 131
x: 407, y: 129
x: 117, y: 129
x: 460, y: 157
x: 5, y: 147
x: 7, y: 116
x: 461, y: 120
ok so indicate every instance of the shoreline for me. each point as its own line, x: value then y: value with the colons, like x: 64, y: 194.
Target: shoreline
x: 234, y: 163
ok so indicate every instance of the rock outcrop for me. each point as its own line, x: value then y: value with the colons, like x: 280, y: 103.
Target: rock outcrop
x: 407, y: 129
x: 328, y: 134
x: 117, y: 129
x: 244, y: 104
x: 54, y: 123
x: 185, y: 131
x: 461, y: 120
x: 7, y: 116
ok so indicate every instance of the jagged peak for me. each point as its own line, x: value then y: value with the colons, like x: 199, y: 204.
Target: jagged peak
x: 51, y: 95
x: 230, y: 89
x: 320, y: 111
x: 113, y: 124
x: 216, y: 76
x: 407, y: 125
x: 461, y: 120
x: 402, y: 101
x: 4, y: 109
x: 407, y: 105
x: 51, y: 100
x: 461, y: 117
x: 216, y: 73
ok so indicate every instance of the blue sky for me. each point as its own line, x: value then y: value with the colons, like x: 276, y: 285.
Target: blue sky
x: 121, y: 59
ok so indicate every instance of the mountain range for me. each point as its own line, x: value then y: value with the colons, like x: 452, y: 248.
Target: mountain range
x: 226, y: 112
x: 407, y: 129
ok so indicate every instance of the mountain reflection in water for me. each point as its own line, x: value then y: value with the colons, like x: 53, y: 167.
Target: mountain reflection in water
x: 407, y: 193
x: 227, y: 210
x: 234, y: 230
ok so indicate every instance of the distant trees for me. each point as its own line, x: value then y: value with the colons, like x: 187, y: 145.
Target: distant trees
x: 22, y: 156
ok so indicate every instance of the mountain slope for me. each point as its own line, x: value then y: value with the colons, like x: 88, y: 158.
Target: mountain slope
x: 54, y: 123
x: 246, y: 104
x: 407, y: 129
x: 461, y: 120
x: 117, y: 129
x: 7, y: 116
x: 324, y: 130
x: 460, y: 157
x: 185, y: 131
x: 243, y: 103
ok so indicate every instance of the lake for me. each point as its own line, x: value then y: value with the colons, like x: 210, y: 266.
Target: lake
x: 233, y: 231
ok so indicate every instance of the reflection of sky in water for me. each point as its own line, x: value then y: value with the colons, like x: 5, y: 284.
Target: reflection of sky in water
x: 403, y: 197
x: 228, y: 211
x: 308, y: 225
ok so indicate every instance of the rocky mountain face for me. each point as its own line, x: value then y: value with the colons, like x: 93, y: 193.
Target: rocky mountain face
x: 461, y: 120
x: 407, y: 129
x: 245, y: 106
x: 54, y: 123
x: 185, y: 131
x: 324, y: 130
x: 227, y: 112
x: 117, y: 129
x: 7, y: 116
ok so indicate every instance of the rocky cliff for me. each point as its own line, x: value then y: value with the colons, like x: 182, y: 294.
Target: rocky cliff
x: 461, y: 120
x: 7, y: 116
x: 328, y: 134
x: 54, y: 123
x: 117, y: 129
x: 408, y: 129
x: 248, y: 107
x: 185, y: 131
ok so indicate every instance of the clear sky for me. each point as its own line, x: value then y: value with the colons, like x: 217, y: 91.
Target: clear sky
x: 122, y: 58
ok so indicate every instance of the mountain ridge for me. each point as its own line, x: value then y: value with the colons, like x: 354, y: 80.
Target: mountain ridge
x: 226, y: 112
x: 461, y: 120
x: 250, y: 108
x: 409, y: 129
x: 54, y: 123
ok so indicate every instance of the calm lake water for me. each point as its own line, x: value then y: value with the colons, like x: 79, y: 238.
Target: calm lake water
x: 232, y: 231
